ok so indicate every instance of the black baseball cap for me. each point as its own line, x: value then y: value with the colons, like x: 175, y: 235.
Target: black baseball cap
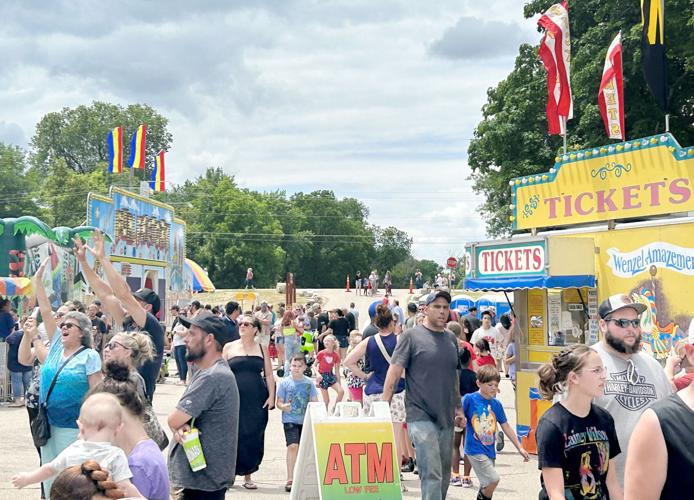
x: 435, y: 295
x: 149, y: 297
x: 209, y: 323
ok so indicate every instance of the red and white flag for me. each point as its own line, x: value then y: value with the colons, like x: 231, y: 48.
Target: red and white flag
x: 611, y: 93
x: 555, y: 52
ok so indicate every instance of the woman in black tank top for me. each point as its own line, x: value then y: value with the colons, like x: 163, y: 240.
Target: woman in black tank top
x: 660, y: 461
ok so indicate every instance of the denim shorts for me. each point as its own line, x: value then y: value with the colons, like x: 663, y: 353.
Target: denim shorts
x: 292, y: 433
x: 328, y: 380
x: 343, y: 341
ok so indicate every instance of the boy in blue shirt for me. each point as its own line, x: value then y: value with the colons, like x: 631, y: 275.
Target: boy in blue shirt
x: 482, y: 413
x: 293, y: 395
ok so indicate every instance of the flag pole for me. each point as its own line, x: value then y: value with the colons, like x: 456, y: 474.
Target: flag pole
x: 667, y: 122
x: 564, y: 119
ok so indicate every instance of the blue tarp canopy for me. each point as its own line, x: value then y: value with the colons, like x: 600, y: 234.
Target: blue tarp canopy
x: 525, y: 282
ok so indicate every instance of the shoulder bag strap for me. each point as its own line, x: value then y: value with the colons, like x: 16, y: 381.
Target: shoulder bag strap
x: 381, y: 347
x: 55, y: 377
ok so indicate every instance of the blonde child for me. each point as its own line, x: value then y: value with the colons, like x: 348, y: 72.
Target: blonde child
x: 100, y: 421
x: 329, y: 370
x: 355, y: 384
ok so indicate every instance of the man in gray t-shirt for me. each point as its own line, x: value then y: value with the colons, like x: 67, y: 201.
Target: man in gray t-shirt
x: 429, y: 356
x: 210, y: 404
x: 633, y: 379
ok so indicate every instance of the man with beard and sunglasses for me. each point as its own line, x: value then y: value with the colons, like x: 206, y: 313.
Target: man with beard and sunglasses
x: 634, y: 379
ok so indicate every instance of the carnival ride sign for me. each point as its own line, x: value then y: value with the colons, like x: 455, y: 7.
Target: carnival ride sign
x: 638, y: 178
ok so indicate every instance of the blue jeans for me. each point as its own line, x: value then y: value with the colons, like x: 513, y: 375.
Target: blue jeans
x: 181, y: 364
x: 434, y: 448
x: 20, y: 383
x: 292, y: 346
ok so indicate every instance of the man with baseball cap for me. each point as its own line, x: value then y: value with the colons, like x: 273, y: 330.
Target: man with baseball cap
x: 429, y: 355
x: 633, y: 379
x: 210, y: 403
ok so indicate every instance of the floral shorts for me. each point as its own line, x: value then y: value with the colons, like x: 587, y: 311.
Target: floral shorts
x: 397, y: 405
x: 328, y: 379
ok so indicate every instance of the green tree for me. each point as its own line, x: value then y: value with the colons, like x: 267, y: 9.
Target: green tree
x: 78, y: 136
x: 17, y: 186
x: 229, y: 230
x: 511, y: 140
x: 63, y: 194
x: 405, y: 269
x: 392, y: 247
x: 342, y: 242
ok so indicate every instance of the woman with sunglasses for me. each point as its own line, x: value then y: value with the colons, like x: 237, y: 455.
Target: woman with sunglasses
x: 81, y: 371
x: 250, y: 363
x: 576, y: 439
x: 132, y: 350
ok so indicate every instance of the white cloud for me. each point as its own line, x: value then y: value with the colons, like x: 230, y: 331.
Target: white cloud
x: 346, y: 95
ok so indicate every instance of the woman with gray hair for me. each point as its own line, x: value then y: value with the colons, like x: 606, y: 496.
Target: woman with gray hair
x: 71, y: 367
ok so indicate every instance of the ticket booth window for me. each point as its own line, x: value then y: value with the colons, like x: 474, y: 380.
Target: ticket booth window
x: 569, y: 322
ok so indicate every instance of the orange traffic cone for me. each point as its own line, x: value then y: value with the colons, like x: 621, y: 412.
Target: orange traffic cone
x: 347, y: 288
x: 411, y: 286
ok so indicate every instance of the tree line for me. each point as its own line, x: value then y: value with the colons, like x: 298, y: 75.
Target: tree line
x: 511, y: 139
x: 319, y: 237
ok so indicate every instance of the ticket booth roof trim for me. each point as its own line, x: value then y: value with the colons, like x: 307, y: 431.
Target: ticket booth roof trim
x: 527, y: 282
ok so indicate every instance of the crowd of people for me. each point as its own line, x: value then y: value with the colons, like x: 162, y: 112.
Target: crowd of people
x: 614, y: 431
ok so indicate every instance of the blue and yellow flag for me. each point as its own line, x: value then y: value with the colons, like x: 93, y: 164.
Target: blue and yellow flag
x: 158, y: 181
x: 653, y: 49
x: 115, y: 151
x: 137, y: 148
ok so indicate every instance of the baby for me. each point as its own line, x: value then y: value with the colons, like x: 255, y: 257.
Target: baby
x: 99, y: 422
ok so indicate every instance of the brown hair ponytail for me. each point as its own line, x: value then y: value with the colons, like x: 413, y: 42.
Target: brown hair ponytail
x: 553, y: 375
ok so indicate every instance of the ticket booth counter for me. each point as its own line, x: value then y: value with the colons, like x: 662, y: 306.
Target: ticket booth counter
x: 555, y: 303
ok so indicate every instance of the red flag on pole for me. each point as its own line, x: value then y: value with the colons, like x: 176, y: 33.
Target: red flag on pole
x: 611, y: 93
x: 555, y: 52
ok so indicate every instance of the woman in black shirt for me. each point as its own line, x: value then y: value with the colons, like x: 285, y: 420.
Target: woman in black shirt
x: 576, y: 440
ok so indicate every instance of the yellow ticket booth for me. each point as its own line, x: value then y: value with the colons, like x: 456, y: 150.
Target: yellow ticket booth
x: 555, y: 303
x: 602, y: 221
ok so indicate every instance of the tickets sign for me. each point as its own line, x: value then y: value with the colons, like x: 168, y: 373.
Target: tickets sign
x: 508, y: 260
x: 356, y: 460
x: 643, y: 177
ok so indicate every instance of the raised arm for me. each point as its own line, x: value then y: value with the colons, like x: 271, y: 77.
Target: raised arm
x: 120, y: 287
x: 25, y: 355
x: 44, y: 303
x: 101, y: 289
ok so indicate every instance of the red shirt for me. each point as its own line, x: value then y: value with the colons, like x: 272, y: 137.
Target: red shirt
x: 463, y: 344
x: 327, y: 360
x: 485, y: 360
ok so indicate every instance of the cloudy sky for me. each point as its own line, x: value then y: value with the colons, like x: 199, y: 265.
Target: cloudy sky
x: 373, y: 99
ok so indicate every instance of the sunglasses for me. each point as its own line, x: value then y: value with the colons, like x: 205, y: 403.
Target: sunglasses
x: 623, y: 323
x: 110, y: 345
x: 246, y: 323
x: 68, y: 325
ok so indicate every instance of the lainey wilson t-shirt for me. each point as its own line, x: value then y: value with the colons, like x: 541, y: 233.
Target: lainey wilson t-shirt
x: 581, y: 446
